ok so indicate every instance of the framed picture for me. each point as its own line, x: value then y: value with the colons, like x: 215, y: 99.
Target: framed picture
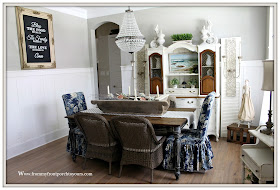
x: 183, y: 63
x: 36, y: 41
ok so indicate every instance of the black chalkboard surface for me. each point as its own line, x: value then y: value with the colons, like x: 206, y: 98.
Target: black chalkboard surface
x: 37, y: 39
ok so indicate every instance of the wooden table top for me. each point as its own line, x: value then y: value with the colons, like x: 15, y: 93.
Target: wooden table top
x: 156, y: 120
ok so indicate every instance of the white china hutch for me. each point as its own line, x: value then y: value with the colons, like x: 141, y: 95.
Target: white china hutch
x: 186, y: 62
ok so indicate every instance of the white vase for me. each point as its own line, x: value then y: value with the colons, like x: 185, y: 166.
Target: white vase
x: 192, y: 86
x: 175, y: 86
x: 158, y: 63
x: 210, y: 72
x: 208, y: 61
x: 160, y: 38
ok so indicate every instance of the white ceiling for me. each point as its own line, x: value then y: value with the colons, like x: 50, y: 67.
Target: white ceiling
x: 92, y: 12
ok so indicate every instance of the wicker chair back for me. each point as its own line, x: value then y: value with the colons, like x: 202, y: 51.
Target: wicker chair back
x: 134, y: 133
x: 96, y: 129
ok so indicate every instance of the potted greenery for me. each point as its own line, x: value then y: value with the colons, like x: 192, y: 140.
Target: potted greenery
x: 192, y: 83
x: 174, y: 82
x: 182, y: 37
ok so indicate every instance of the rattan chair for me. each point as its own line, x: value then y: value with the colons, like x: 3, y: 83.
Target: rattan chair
x: 140, y: 145
x: 100, y: 140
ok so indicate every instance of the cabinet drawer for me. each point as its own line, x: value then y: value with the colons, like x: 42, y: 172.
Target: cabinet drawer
x: 259, y: 160
x: 250, y: 163
x: 182, y: 91
x: 186, y: 102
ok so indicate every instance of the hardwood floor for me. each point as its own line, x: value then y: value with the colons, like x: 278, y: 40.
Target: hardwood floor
x: 54, y: 158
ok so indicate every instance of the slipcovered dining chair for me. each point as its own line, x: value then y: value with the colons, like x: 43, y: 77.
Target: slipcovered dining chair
x: 100, y: 140
x: 196, y: 150
x: 140, y: 145
x: 74, y: 103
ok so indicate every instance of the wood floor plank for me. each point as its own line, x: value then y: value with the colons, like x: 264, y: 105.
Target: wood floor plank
x: 53, y: 157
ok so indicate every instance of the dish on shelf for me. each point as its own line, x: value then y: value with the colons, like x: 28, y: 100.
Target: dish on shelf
x: 210, y: 72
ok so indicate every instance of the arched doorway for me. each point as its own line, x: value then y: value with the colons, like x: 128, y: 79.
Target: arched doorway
x: 108, y: 59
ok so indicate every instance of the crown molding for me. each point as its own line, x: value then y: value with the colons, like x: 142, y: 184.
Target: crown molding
x: 75, y: 11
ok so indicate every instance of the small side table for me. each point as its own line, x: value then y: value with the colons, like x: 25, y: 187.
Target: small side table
x: 240, y: 135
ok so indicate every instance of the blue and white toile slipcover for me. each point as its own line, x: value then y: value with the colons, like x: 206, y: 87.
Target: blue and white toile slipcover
x: 196, y: 150
x: 74, y: 103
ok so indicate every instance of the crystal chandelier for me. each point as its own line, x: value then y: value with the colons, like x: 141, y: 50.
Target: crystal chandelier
x: 130, y: 38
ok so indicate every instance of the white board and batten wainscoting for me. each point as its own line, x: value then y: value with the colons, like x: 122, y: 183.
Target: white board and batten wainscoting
x: 35, y: 109
x: 253, y: 71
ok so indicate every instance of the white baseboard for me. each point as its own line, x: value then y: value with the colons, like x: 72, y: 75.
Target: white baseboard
x: 36, y: 142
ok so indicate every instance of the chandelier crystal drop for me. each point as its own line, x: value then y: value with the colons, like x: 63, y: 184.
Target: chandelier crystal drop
x: 130, y: 38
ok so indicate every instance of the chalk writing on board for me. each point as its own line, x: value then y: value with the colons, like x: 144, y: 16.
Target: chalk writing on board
x: 37, y: 39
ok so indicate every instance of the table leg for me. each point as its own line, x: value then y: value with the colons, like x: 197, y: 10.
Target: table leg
x: 243, y: 172
x: 177, y: 144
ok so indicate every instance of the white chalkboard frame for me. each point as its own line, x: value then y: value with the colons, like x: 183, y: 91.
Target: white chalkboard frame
x: 20, y: 11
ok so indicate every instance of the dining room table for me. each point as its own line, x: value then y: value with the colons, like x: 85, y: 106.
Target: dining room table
x: 174, y: 118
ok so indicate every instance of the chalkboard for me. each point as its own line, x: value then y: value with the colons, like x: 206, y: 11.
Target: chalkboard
x: 36, y: 39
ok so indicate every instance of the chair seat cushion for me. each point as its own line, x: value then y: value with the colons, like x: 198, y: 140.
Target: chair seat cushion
x: 190, y: 140
x: 196, y: 154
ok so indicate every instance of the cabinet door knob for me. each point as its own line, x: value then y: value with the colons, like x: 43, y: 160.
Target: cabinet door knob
x: 257, y: 170
x: 242, y: 155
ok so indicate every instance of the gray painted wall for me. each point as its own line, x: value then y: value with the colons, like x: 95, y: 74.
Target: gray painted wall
x: 70, y: 39
x: 249, y: 23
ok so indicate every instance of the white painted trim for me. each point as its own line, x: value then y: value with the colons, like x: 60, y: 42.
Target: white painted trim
x: 126, y: 68
x: 36, y: 142
x: 28, y: 73
x: 75, y: 11
x: 243, y: 65
x: 94, y: 11
x: 253, y: 63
